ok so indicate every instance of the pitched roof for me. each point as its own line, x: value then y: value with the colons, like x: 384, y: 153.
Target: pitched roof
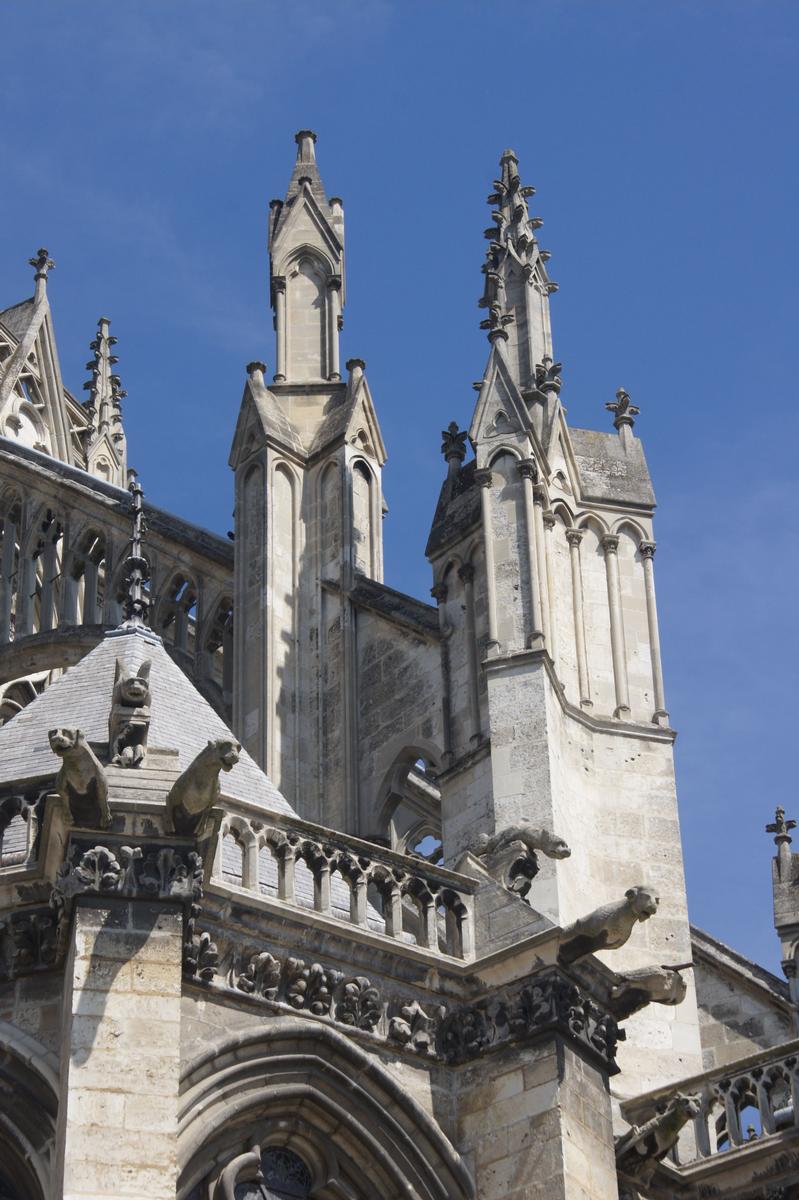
x: 17, y: 318
x: 181, y: 719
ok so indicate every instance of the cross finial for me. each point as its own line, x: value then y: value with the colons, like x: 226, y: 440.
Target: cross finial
x: 137, y: 568
x: 42, y: 262
x: 547, y: 375
x: 453, y: 446
x: 623, y: 409
x: 781, y: 828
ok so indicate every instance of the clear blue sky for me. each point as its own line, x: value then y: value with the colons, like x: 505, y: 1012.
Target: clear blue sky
x: 142, y: 142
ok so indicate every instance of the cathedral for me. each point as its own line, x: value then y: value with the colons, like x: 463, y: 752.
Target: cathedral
x: 312, y: 890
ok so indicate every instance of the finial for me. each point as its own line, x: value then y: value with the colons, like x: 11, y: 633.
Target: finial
x: 42, y: 262
x: 256, y: 371
x: 306, y: 140
x: 623, y: 409
x: 137, y: 568
x: 355, y: 366
x: 547, y: 375
x: 781, y: 828
x: 453, y: 447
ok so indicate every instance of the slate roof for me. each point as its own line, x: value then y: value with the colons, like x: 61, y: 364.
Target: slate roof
x: 181, y: 719
x: 457, y: 511
x: 17, y: 318
x: 611, y: 470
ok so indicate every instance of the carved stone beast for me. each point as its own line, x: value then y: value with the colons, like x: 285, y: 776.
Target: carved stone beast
x: 129, y: 722
x: 195, y: 793
x: 80, y: 782
x: 640, y: 1150
x: 608, y: 927
x: 649, y: 985
x: 511, y: 854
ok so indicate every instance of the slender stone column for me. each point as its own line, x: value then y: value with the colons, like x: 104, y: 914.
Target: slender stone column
x: 539, y: 500
x: 485, y: 478
x: 528, y: 471
x: 90, y: 580
x: 279, y: 284
x: 466, y: 575
x: 647, y: 550
x: 550, y: 520
x: 610, y: 544
x: 49, y: 573
x: 26, y: 595
x: 333, y: 311
x: 7, y: 577
x: 574, y: 537
x: 69, y: 600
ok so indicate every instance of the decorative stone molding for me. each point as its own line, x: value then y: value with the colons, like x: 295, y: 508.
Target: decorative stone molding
x: 153, y: 872
x: 547, y: 1003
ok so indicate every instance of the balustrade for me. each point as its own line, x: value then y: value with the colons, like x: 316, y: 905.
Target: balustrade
x: 754, y: 1099
x: 397, y: 895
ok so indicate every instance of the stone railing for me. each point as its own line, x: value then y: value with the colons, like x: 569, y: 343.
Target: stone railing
x: 342, y: 877
x: 739, y: 1103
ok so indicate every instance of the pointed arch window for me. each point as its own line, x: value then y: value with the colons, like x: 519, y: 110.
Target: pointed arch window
x: 285, y: 1177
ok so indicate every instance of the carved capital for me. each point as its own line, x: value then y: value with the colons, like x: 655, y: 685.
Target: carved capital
x: 466, y: 573
x: 439, y: 592
x: 539, y: 494
x: 279, y: 283
x: 610, y: 543
x: 549, y: 519
x: 484, y: 477
x: 528, y: 469
x: 334, y: 283
x: 574, y: 536
x: 647, y: 549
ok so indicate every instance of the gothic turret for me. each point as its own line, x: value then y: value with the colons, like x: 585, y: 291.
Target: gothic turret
x: 306, y: 258
x: 106, y: 447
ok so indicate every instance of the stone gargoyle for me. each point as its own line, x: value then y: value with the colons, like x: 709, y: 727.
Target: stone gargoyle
x: 129, y: 722
x: 650, y: 985
x: 196, y: 792
x: 639, y: 1151
x: 608, y: 927
x: 80, y: 782
x: 511, y: 853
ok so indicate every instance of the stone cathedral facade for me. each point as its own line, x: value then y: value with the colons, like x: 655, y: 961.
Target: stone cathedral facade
x: 311, y: 889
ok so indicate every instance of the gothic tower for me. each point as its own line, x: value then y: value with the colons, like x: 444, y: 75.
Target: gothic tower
x: 542, y: 553
x: 307, y: 456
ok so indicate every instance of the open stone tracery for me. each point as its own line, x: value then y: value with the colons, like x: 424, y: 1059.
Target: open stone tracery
x: 309, y: 888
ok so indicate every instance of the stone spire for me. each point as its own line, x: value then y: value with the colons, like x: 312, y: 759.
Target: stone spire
x: 137, y: 568
x: 517, y: 287
x: 306, y: 257
x: 106, y: 446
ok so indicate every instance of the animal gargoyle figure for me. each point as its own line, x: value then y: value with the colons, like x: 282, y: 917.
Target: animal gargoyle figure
x: 518, y: 872
x: 640, y: 1150
x: 530, y: 837
x: 80, y: 782
x: 129, y: 722
x: 608, y: 927
x: 195, y: 793
x: 650, y: 985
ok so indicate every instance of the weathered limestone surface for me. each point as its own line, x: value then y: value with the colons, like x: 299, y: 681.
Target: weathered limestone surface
x: 120, y: 1057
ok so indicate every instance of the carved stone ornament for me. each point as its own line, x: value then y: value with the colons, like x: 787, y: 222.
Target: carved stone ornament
x: 200, y: 954
x: 640, y: 1150
x: 197, y: 790
x: 80, y: 782
x: 608, y: 927
x: 244, y: 1168
x: 649, y: 985
x: 129, y: 722
x: 416, y: 1028
x: 28, y: 942
x: 151, y: 872
x: 360, y: 1004
x: 516, y: 871
x: 260, y: 977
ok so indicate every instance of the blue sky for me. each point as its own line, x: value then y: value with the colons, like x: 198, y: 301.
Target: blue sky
x: 142, y: 142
